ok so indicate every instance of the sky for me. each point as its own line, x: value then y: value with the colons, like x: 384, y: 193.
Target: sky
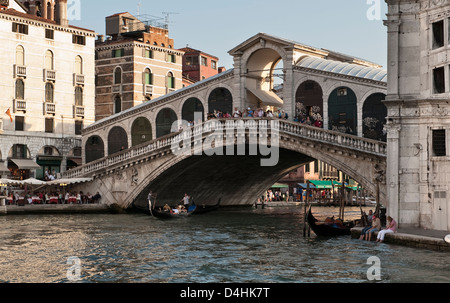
x: 352, y: 27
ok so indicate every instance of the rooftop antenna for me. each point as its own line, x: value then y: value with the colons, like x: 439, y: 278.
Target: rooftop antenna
x: 167, y: 19
x: 139, y: 9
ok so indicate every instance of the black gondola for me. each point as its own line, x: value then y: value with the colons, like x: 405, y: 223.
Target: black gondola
x: 328, y: 228
x: 171, y: 215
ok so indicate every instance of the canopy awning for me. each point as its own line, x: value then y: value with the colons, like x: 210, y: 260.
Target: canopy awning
x: 278, y: 185
x: 325, y: 184
x: 267, y: 97
x: 26, y: 164
x: 69, y: 181
x: 304, y: 185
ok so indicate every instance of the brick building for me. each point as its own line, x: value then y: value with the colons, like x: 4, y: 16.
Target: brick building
x: 136, y: 63
x: 198, y: 66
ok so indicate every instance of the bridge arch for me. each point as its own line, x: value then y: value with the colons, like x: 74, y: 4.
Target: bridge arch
x: 117, y: 140
x: 343, y: 110
x: 374, y: 116
x: 309, y: 100
x: 94, y: 149
x: 242, y: 179
x: 164, y: 121
x: 190, y: 107
x: 141, y: 131
x: 220, y: 99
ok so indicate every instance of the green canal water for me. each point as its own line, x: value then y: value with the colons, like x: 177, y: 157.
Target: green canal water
x: 232, y: 245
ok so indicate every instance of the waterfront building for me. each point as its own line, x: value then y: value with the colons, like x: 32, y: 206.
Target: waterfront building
x: 48, y: 88
x: 136, y: 63
x: 418, y: 107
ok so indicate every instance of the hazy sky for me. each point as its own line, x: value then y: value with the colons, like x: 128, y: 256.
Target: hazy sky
x: 216, y: 27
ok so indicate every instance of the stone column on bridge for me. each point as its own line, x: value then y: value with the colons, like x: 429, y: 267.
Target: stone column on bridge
x: 239, y: 82
x: 289, y: 86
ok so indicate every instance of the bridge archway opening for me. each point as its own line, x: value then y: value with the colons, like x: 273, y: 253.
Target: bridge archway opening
x: 164, y: 122
x: 342, y: 111
x: 141, y: 131
x: 117, y: 140
x: 221, y: 100
x: 94, y: 149
x: 309, y: 101
x: 374, y: 117
x: 264, y: 77
x: 192, y: 106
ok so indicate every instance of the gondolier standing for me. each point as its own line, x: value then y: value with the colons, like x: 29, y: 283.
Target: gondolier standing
x: 150, y: 198
x: 186, y: 201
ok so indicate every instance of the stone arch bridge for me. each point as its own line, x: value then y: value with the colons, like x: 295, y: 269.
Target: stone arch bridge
x: 214, y: 160
x: 130, y: 152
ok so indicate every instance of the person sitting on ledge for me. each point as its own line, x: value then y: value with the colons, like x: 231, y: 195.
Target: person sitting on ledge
x: 390, y: 228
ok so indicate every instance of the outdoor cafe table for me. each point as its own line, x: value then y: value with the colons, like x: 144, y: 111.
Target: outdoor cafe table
x: 53, y: 200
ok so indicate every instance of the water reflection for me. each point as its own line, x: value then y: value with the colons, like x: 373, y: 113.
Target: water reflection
x: 227, y: 246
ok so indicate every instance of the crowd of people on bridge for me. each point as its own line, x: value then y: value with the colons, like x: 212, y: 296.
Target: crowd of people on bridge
x: 311, y: 120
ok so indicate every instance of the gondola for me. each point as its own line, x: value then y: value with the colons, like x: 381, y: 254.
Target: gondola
x: 328, y: 228
x: 161, y: 214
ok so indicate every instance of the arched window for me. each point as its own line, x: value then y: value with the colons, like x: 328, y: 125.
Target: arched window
x: 94, y: 149
x: 20, y: 55
x: 49, y: 60
x: 141, y: 131
x: 78, y: 96
x: 78, y: 65
x: 20, y: 89
x: 117, y: 104
x: 117, y: 140
x: 49, y: 93
x: 164, y: 122
x: 148, y: 77
x: 170, y: 81
x: 118, y: 75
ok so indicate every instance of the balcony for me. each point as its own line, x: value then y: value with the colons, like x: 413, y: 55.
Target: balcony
x: 49, y: 108
x: 20, y: 105
x: 49, y: 75
x: 20, y: 71
x: 78, y: 79
x: 148, y: 90
x: 170, y: 90
x: 78, y: 111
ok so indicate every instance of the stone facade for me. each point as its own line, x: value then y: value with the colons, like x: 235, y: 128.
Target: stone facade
x: 48, y: 87
x: 417, y: 101
x: 134, y: 67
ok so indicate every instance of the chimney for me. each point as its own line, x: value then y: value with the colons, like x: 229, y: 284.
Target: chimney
x: 101, y: 38
x: 61, y: 13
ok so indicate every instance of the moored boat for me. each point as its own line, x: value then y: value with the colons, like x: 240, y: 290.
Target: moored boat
x: 329, y: 227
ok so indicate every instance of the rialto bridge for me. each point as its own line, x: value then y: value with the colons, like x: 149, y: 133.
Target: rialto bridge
x: 132, y: 152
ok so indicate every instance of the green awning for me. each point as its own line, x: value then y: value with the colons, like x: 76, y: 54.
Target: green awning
x: 325, y: 184
x: 278, y: 185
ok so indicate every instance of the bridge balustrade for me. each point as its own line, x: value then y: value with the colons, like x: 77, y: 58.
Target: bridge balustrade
x: 286, y: 127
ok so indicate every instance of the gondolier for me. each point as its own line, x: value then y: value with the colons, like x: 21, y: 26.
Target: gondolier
x: 186, y: 201
x: 150, y: 198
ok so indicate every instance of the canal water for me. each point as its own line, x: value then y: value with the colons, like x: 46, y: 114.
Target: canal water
x: 232, y: 245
